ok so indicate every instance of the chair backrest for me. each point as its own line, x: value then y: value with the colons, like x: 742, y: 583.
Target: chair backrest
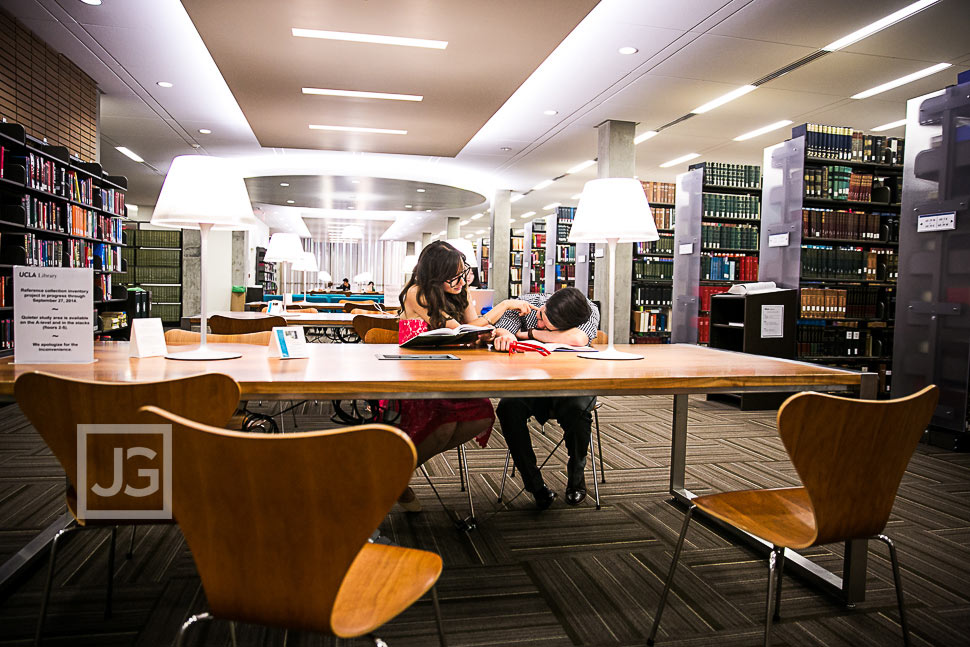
x: 275, y: 521
x: 380, y: 336
x: 179, y: 337
x: 360, y: 305
x: 851, y: 454
x: 221, y: 325
x: 56, y: 405
x: 601, y: 337
x: 365, y: 322
x: 298, y: 309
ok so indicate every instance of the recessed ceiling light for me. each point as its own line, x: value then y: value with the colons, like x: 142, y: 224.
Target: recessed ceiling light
x: 889, y: 126
x: 428, y: 210
x: 880, y: 24
x: 903, y: 80
x: 284, y: 184
x: 505, y: 148
x: 764, y: 129
x: 477, y: 216
x: 351, y: 207
x: 464, y: 222
x: 205, y: 131
x: 93, y: 3
x: 579, y: 167
x: 290, y: 201
x: 527, y: 214
x: 355, y: 94
x: 724, y: 98
x: 355, y: 181
x: 550, y: 112
x: 420, y: 190
x: 516, y: 198
x: 552, y: 205
x: 370, y: 38
x: 195, y: 145
x: 680, y: 160
x: 626, y: 51
x: 542, y: 185
x: 642, y: 137
x: 355, y: 129
x: 407, y: 206
x: 161, y: 84
x: 129, y: 154
x: 469, y: 235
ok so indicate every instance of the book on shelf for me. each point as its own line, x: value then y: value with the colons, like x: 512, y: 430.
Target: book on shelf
x: 753, y: 288
x: 844, y: 143
x: 662, y: 192
x: 463, y: 334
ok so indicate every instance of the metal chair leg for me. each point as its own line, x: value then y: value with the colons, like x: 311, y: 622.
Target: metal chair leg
x: 131, y: 543
x: 48, y: 582
x: 461, y: 471
x: 592, y: 460
x: 781, y: 570
x: 232, y: 633
x: 899, y: 585
x: 463, y: 466
x: 199, y: 617
x: 599, y: 444
x: 772, y: 582
x: 670, y: 575
x: 505, y: 473
x: 437, y: 616
x: 111, y: 572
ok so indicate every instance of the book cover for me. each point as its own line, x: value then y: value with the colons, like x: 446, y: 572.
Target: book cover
x: 463, y: 334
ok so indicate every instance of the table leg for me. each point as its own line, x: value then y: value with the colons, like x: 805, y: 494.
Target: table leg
x: 678, y: 445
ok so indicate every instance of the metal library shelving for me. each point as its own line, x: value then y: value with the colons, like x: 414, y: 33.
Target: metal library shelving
x: 516, y: 253
x: 265, y: 272
x: 652, y: 278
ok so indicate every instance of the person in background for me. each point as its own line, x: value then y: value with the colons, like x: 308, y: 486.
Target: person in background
x: 566, y: 317
x: 345, y: 285
x: 437, y: 296
x: 370, y: 287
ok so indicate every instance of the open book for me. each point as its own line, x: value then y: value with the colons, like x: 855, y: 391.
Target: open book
x: 753, y: 288
x: 463, y: 334
x: 549, y: 347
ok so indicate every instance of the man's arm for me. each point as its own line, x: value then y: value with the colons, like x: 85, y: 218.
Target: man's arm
x: 573, y: 336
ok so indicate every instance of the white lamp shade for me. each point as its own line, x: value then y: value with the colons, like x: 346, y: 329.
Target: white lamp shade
x: 409, y: 263
x: 364, y: 277
x: 306, y: 263
x: 613, y: 208
x: 200, y: 189
x: 283, y: 247
x: 464, y: 246
x: 325, y: 276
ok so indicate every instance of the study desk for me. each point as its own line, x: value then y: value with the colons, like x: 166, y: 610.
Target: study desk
x: 320, y: 319
x: 678, y: 370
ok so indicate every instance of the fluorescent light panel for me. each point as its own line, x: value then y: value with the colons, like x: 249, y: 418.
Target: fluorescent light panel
x: 477, y: 216
x: 527, y: 214
x: 879, y: 25
x: 903, y: 80
x: 354, y: 94
x: 370, y: 38
x: 542, y: 185
x: 516, y: 198
x: 355, y: 129
x: 680, y: 160
x: 764, y: 129
x: 889, y: 126
x: 129, y: 154
x: 642, y: 137
x: 725, y: 98
x: 582, y: 165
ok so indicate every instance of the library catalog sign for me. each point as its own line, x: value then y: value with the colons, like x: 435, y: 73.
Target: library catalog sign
x: 53, y: 315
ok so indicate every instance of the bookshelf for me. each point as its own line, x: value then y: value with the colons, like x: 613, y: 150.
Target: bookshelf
x: 653, y: 270
x: 516, y: 252
x: 534, y: 256
x: 483, y: 261
x: 265, y: 272
x: 830, y: 226
x: 154, y: 264
x: 59, y: 211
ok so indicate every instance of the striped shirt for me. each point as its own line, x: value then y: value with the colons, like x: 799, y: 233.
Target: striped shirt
x: 513, y: 322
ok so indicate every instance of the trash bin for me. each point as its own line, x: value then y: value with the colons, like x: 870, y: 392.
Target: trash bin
x: 237, y: 301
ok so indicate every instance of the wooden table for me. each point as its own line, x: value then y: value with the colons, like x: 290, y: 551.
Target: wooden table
x: 322, y: 320
x: 678, y: 370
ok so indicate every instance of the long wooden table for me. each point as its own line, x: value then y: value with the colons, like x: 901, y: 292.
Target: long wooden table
x: 320, y: 319
x: 677, y: 370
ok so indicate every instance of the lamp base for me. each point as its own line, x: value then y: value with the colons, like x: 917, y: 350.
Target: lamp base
x: 609, y: 354
x: 202, y: 354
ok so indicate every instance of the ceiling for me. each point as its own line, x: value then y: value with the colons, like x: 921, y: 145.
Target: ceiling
x: 358, y: 193
x: 482, y: 125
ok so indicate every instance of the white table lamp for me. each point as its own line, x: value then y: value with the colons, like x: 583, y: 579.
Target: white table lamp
x: 307, y: 262
x: 325, y: 277
x: 465, y: 246
x: 363, y: 278
x: 613, y: 210
x: 204, y: 193
x: 284, y: 249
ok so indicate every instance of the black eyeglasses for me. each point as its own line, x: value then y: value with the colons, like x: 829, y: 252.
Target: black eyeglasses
x: 463, y: 276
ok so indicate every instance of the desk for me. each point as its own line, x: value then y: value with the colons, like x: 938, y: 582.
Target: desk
x: 322, y: 319
x: 678, y: 370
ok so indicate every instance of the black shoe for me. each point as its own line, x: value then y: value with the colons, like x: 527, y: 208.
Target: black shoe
x: 575, y: 496
x: 543, y: 496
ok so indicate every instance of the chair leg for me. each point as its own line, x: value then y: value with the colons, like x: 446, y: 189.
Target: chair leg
x: 899, y: 585
x: 461, y: 471
x: 232, y: 633
x: 781, y: 570
x: 437, y: 616
x: 131, y: 544
x: 199, y: 617
x: 599, y: 444
x: 111, y: 572
x: 670, y: 575
x: 505, y: 473
x: 772, y: 582
x: 592, y: 461
x: 49, y: 581
x: 463, y: 466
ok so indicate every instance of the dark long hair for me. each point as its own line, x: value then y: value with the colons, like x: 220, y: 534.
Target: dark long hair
x: 437, y: 263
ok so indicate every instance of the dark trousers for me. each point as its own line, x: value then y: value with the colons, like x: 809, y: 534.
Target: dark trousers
x: 574, y: 416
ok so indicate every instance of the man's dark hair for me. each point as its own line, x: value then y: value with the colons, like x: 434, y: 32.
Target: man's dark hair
x: 567, y: 308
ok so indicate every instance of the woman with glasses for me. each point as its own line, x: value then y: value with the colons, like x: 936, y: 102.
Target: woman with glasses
x: 437, y: 297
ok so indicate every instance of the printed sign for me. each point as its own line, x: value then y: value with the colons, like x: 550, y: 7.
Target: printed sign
x: 288, y: 343
x: 687, y: 248
x: 772, y: 321
x: 54, y: 308
x: 936, y: 222
x: 147, y: 338
x: 778, y: 240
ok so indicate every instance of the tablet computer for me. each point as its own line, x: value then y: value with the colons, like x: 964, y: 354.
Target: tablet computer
x: 418, y: 357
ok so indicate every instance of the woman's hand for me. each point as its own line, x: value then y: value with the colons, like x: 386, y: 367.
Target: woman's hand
x: 519, y: 306
x: 502, y: 340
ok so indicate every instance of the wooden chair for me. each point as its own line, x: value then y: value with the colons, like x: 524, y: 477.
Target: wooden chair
x: 371, y: 306
x: 311, y: 567
x: 179, y: 337
x: 381, y: 330
x: 221, y: 325
x: 211, y: 398
x: 850, y: 456
x: 293, y: 309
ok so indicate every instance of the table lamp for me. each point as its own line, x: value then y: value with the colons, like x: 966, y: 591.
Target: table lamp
x: 613, y: 210
x: 284, y: 249
x: 362, y: 279
x: 204, y: 193
x: 325, y: 277
x: 307, y: 262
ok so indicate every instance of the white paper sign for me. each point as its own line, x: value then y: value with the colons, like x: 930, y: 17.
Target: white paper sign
x: 275, y: 308
x: 54, y: 308
x: 147, y: 338
x: 778, y: 240
x: 772, y: 321
x: 687, y: 248
x: 936, y: 222
x: 600, y: 252
x: 288, y: 343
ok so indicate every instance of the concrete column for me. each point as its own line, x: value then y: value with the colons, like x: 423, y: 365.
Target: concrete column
x: 409, y: 248
x: 499, y: 245
x: 454, y: 228
x: 240, y: 249
x: 191, y: 273
x: 616, y: 157
x: 425, y: 240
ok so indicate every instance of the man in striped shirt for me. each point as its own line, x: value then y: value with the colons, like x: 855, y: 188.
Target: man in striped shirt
x: 567, y: 317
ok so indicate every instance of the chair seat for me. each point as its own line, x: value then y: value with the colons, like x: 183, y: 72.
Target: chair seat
x: 382, y: 582
x: 783, y: 517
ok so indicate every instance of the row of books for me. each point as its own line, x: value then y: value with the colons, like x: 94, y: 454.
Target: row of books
x: 651, y: 321
x: 856, y: 302
x: 662, y: 192
x: 43, y: 253
x: 745, y: 176
x: 102, y: 287
x: 565, y: 272
x: 6, y: 290
x: 6, y: 334
x: 706, y: 292
x: 44, y: 214
x: 850, y: 225
x: 157, y: 238
x: 815, y: 339
x: 652, y: 296
x: 729, y: 236
x: 516, y: 243
x: 841, y: 183
x: 515, y: 290
x: 538, y: 240
x: 113, y: 201
x: 729, y: 267
x: 565, y: 253
x: 725, y: 205
x: 653, y: 269
x: 663, y: 217
x: 844, y: 143
x: 664, y: 245
x: 649, y: 339
x: 849, y: 263
x: 703, y: 330
x: 515, y: 273
x: 89, y: 223
x: 516, y: 259
x: 82, y: 253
